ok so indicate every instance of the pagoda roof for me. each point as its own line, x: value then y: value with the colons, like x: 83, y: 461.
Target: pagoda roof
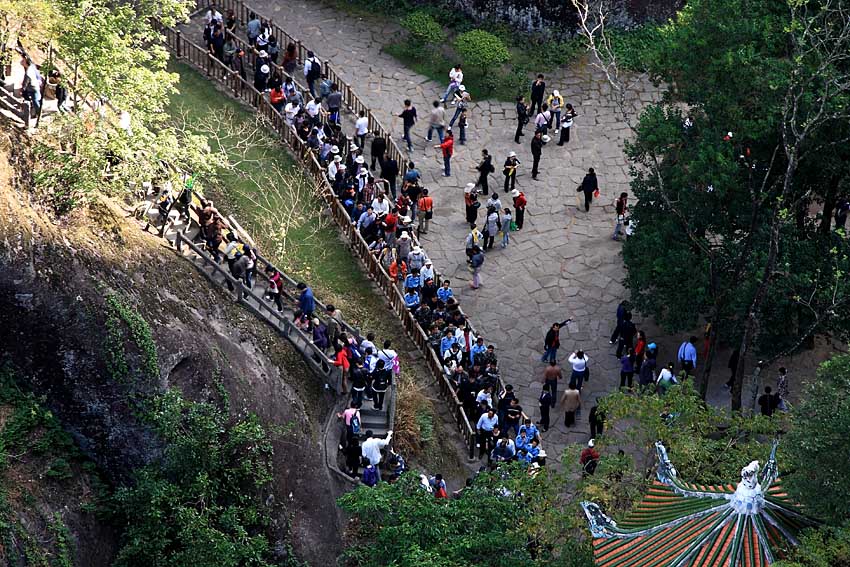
x: 680, y: 524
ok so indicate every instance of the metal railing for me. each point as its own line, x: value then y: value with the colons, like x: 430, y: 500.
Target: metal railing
x: 241, y: 89
x: 247, y: 297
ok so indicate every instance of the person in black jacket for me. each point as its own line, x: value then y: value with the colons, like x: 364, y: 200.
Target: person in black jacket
x: 588, y: 185
x: 485, y: 168
x: 389, y: 169
x: 521, y: 117
x: 378, y: 149
x: 626, y: 332
x: 538, y: 89
x: 536, y: 152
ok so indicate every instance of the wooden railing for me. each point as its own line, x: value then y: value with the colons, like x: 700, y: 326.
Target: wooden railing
x: 18, y: 107
x: 241, y: 89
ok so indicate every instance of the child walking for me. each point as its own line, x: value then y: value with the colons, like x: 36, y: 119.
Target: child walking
x: 507, y: 220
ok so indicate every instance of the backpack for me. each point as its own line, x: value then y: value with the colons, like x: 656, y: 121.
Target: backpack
x: 370, y: 476
x: 315, y: 69
x: 355, y: 424
x: 354, y: 353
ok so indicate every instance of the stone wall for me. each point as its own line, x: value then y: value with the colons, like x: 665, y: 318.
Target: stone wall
x: 558, y: 18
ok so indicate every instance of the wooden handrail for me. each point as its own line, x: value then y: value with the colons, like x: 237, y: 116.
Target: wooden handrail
x: 242, y: 89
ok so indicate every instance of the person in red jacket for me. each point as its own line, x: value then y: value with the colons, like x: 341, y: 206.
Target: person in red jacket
x: 341, y: 361
x: 589, y: 458
x: 447, y: 146
x: 520, y: 203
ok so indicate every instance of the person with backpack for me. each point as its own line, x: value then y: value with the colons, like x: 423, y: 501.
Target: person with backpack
x: 351, y: 420
x: 381, y: 382
x: 359, y: 382
x: 312, y: 72
x: 426, y: 211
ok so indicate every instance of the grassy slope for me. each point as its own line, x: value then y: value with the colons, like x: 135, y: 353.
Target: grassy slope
x: 320, y: 256
x: 326, y: 263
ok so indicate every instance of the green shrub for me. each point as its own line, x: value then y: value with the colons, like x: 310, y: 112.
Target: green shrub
x: 423, y: 28
x: 481, y: 49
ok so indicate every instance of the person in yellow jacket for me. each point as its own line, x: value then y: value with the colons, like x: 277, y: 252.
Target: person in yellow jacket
x: 556, y: 102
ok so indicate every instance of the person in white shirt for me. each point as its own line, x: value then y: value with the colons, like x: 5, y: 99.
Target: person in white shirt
x: 485, y: 426
x: 290, y: 111
x: 32, y: 84
x: 213, y: 15
x: 578, y: 360
x: 362, y: 128
x: 427, y: 271
x: 371, y: 449
x: 455, y: 80
x: 314, y: 107
x: 388, y: 355
x: 380, y: 205
x: 333, y: 167
x: 485, y: 396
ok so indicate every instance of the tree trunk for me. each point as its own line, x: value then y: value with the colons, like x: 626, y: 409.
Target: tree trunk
x: 706, y: 372
x: 829, y: 202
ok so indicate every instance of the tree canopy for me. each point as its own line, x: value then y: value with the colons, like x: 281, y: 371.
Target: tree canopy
x: 738, y: 171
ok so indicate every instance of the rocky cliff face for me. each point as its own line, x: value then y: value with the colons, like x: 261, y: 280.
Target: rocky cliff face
x: 559, y: 18
x: 55, y: 278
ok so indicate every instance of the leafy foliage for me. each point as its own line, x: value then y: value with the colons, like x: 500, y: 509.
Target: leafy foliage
x: 423, y: 28
x: 818, y: 444
x: 504, y: 518
x: 725, y: 228
x: 203, y: 503
x: 481, y: 49
x: 708, y: 445
x: 119, y: 311
x: 824, y: 547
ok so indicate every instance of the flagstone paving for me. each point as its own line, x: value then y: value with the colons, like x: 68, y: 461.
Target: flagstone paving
x: 564, y: 262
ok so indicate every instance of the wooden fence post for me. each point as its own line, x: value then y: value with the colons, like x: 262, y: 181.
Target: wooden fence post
x: 178, y: 44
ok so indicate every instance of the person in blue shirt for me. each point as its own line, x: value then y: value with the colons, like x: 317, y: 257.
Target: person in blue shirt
x: 412, y: 175
x: 486, y: 423
x: 411, y: 299
x: 413, y: 281
x: 534, y: 450
x: 447, y: 341
x: 478, y: 349
x: 445, y: 292
x: 306, y: 301
x: 522, y: 441
x: 688, y: 355
x: 530, y: 430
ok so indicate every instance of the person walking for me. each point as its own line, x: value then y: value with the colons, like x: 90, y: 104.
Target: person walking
x: 389, y: 170
x: 312, y: 73
x: 436, y: 121
x: 567, y: 124
x: 551, y: 375
x: 376, y: 152
x: 589, y: 186
x: 521, y: 117
x: 446, y: 146
x: 509, y: 171
x: 538, y: 89
x: 578, y: 360
x: 455, y: 81
x: 408, y: 118
x: 507, y: 222
x: 621, y: 207
x: 520, y: 203
x: 627, y: 369
x: 485, y: 168
x: 426, y: 211
x: 475, y: 262
x: 491, y: 226
x: 484, y: 427
x: 546, y: 402
x: 571, y: 400
x: 596, y: 418
x: 687, y: 355
x: 589, y: 458
x: 462, y: 99
x: 551, y: 343
x: 306, y: 301
x: 626, y: 331
x: 536, y: 152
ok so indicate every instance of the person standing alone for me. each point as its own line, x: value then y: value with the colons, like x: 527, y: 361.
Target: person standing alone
x: 485, y: 168
x: 447, y: 147
x: 538, y: 89
x: 408, y: 118
x: 536, y: 152
x: 521, y: 117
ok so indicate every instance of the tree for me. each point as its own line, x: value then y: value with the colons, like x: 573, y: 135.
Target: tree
x: 749, y: 133
x: 818, y: 444
x: 824, y: 547
x: 708, y: 445
x: 504, y: 518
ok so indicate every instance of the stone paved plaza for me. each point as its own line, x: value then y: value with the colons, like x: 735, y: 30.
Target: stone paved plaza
x: 563, y: 264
